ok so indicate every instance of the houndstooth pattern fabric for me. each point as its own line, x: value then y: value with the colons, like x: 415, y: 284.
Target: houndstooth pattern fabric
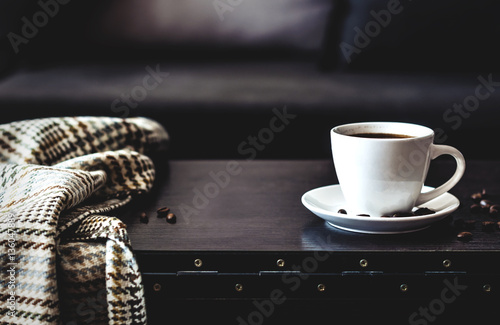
x: 64, y: 260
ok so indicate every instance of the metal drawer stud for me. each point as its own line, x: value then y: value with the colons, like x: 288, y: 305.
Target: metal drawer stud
x: 446, y: 263
x: 156, y: 287
x: 363, y: 263
x: 198, y: 262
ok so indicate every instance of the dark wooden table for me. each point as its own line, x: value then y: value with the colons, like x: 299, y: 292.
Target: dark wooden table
x: 244, y: 250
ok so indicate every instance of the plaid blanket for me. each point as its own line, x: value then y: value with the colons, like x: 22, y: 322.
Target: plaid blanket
x: 63, y: 259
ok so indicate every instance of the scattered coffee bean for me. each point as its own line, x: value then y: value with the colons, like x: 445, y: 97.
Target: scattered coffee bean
x: 363, y: 215
x: 486, y: 203
x: 162, y: 212
x: 469, y: 224
x: 171, y: 218
x: 476, y: 197
x: 423, y: 211
x: 342, y: 211
x: 495, y: 210
x: 476, y: 208
x: 143, y: 217
x: 488, y: 226
x: 464, y: 236
x: 484, y: 195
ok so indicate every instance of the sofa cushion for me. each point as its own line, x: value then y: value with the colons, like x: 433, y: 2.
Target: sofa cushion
x: 191, y: 29
x: 211, y: 110
x: 447, y: 35
x: 289, y: 23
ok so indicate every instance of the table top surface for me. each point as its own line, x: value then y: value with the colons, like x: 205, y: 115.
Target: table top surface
x: 247, y: 205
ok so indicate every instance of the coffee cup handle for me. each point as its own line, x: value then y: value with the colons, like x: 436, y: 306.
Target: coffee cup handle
x: 436, y: 151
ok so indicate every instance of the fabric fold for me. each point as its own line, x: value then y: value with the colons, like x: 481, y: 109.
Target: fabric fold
x: 63, y: 258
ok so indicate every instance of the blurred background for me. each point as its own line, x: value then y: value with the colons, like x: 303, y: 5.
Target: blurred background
x: 214, y: 72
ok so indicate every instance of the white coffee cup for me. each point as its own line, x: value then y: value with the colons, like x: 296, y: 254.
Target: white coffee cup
x: 383, y: 176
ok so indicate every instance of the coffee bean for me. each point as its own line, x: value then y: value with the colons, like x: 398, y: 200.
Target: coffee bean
x: 484, y: 195
x: 476, y: 208
x: 402, y: 214
x: 476, y: 197
x: 488, y: 226
x: 363, y: 215
x: 143, y: 217
x: 162, y: 212
x: 486, y: 203
x: 171, y: 218
x: 495, y: 210
x: 469, y: 224
x: 342, y: 211
x: 464, y: 236
x: 423, y: 211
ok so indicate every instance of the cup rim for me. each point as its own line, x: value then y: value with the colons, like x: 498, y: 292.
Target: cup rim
x: 415, y: 131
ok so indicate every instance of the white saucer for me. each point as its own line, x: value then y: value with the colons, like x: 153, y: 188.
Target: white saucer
x: 326, y: 201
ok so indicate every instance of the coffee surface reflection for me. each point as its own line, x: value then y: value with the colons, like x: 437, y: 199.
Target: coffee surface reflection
x: 381, y: 135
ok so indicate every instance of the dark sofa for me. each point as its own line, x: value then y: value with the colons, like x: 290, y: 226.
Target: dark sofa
x: 219, y: 73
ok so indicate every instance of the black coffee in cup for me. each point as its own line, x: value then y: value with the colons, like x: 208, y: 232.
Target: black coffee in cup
x: 381, y: 135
